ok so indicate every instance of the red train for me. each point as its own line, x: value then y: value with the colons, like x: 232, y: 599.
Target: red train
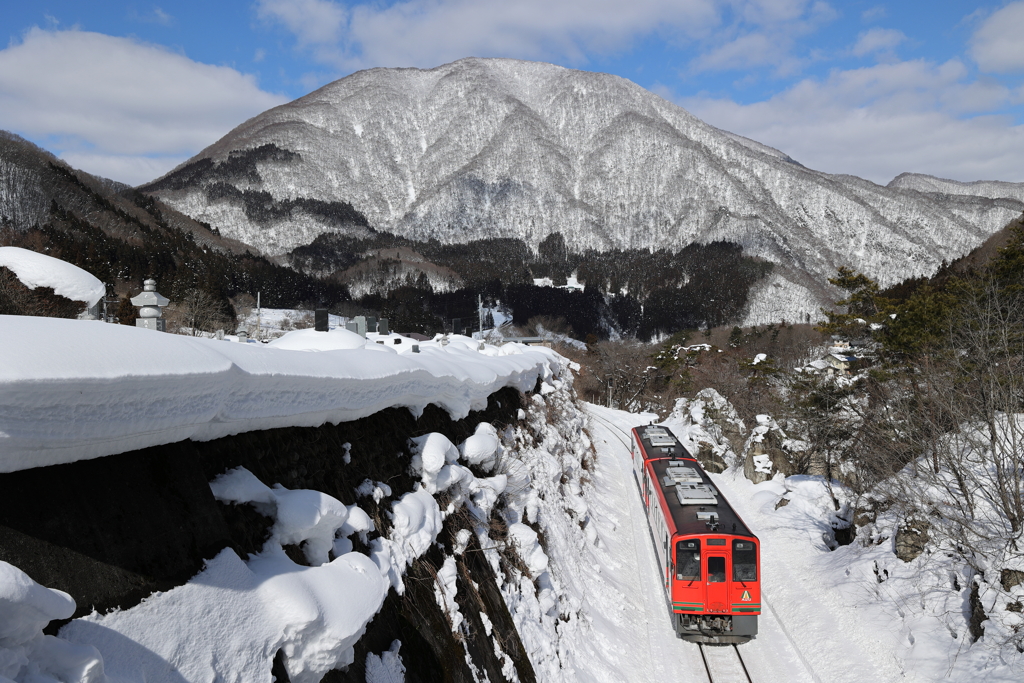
x: 709, y: 559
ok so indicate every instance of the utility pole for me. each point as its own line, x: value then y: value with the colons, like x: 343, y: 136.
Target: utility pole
x: 480, y: 311
x: 259, y: 327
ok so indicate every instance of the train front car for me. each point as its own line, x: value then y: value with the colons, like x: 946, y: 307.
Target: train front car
x: 710, y: 560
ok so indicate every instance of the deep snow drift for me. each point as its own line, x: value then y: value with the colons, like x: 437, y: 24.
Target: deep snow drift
x: 39, y: 270
x: 73, y: 390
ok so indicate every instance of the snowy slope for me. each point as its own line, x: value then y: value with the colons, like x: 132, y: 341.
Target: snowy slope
x: 993, y: 189
x: 73, y: 390
x: 504, y: 148
x: 857, y: 613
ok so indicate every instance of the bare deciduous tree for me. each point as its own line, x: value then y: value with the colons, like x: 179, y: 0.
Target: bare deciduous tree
x: 195, y: 313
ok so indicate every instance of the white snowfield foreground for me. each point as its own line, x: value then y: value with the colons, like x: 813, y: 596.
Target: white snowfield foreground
x: 73, y: 390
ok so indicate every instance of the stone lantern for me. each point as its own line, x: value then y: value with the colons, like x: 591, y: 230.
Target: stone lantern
x: 150, y: 302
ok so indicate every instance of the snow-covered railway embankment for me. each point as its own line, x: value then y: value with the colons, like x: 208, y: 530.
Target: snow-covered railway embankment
x: 376, y: 543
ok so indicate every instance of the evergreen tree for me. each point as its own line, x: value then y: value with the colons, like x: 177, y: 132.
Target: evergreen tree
x: 126, y: 313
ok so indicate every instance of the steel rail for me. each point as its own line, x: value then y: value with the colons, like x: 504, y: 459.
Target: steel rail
x: 739, y: 658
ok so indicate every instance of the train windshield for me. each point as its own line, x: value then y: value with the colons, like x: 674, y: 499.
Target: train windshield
x: 688, y: 560
x: 744, y: 561
x: 716, y: 570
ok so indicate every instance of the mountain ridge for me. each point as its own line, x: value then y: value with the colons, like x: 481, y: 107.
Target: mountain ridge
x: 503, y: 148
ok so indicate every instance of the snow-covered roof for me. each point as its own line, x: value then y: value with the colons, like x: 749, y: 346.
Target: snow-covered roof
x: 312, y: 340
x: 72, y: 391
x: 39, y: 270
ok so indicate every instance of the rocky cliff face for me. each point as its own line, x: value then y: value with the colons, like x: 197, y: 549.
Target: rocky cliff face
x: 503, y: 148
x: 112, y: 531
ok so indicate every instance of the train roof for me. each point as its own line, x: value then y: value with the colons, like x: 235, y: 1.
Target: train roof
x: 660, y: 442
x: 691, y: 498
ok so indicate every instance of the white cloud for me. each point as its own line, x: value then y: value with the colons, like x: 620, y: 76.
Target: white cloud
x: 161, y: 17
x: 996, y: 45
x: 126, y: 168
x: 313, y: 22
x: 116, y: 103
x: 745, y: 50
x: 873, y: 13
x: 748, y: 51
x: 155, y: 16
x: 426, y: 33
x: 883, y: 120
x: 878, y: 40
x: 730, y: 33
x: 763, y: 33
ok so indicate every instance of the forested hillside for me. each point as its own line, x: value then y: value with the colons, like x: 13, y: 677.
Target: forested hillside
x: 631, y: 292
x: 123, y: 236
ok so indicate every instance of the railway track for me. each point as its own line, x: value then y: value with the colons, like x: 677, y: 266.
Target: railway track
x: 724, y: 664
x: 615, y: 430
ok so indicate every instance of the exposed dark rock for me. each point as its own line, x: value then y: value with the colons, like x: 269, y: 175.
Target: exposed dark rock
x: 975, y: 626
x: 709, y: 460
x: 911, y: 539
x: 1010, y: 578
x: 844, y: 535
x: 18, y: 299
x: 113, y: 530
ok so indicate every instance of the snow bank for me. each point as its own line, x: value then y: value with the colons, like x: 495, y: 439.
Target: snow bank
x: 302, y: 517
x: 387, y: 668
x: 483, y: 448
x: 72, y: 390
x: 39, y: 270
x: 25, y: 653
x: 229, y: 621
x: 417, y: 518
x: 708, y: 420
x: 233, y: 617
x: 549, y: 592
x: 311, y: 340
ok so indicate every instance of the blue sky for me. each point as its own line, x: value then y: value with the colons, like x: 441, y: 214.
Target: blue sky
x: 129, y: 89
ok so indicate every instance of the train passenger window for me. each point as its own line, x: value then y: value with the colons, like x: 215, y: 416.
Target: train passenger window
x: 688, y: 560
x: 744, y: 561
x: 716, y: 570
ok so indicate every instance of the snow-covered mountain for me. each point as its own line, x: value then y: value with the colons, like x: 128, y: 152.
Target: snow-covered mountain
x: 993, y: 189
x: 504, y: 148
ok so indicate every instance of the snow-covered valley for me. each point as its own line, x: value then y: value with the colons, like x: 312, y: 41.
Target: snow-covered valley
x: 544, y: 497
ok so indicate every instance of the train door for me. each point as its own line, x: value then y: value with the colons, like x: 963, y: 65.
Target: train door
x: 716, y: 578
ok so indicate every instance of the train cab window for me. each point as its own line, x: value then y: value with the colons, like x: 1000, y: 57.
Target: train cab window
x: 716, y: 570
x: 688, y: 560
x: 744, y: 561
